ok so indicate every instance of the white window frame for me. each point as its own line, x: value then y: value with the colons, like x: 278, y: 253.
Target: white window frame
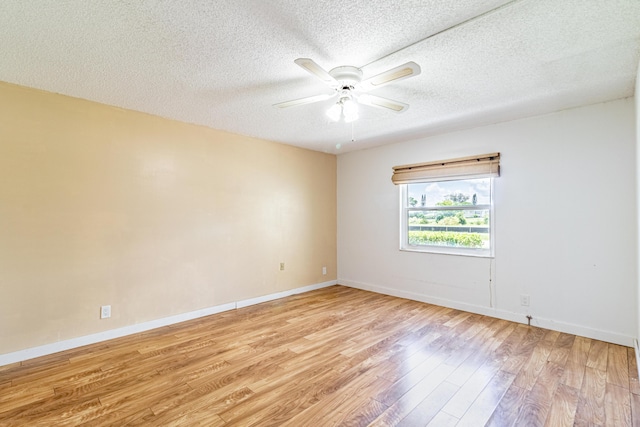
x: 438, y: 249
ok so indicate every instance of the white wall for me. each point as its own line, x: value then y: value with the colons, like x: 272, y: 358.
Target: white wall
x: 565, y: 223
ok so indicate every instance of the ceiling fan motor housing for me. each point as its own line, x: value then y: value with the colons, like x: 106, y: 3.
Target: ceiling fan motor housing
x: 347, y: 75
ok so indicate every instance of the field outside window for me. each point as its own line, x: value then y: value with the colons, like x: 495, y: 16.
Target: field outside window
x: 448, y: 216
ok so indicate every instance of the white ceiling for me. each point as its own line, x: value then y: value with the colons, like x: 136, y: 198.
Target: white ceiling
x: 223, y: 64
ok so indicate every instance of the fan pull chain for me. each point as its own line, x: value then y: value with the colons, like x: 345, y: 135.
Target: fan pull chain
x: 339, y: 145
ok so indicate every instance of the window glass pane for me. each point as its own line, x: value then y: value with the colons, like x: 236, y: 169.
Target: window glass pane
x: 462, y: 228
x: 444, y: 193
x: 447, y: 217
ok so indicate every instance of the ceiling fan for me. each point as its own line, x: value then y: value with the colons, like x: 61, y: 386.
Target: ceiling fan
x: 348, y: 86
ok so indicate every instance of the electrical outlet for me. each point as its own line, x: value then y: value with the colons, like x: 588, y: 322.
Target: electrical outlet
x: 282, y: 266
x: 324, y: 270
x: 105, y: 311
x: 524, y: 300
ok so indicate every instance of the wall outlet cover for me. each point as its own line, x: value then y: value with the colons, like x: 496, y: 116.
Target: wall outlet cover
x: 105, y: 311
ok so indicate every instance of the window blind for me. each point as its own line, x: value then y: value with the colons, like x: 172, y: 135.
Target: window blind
x: 486, y: 165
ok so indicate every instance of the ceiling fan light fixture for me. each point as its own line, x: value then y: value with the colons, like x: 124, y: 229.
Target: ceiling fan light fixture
x: 345, y: 108
x: 335, y: 112
x: 349, y: 107
x: 349, y: 110
x: 348, y: 118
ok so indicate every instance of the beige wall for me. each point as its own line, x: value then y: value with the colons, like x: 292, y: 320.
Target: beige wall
x: 105, y: 206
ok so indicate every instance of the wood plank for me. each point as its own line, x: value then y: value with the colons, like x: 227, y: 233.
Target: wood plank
x: 483, y: 407
x: 563, y: 407
x: 202, y: 406
x: 561, y: 349
x: 10, y: 367
x: 469, y: 392
x: 338, y: 395
x: 617, y: 406
x: 400, y: 364
x: 400, y: 387
x: 430, y: 406
x: 634, y: 384
x: 334, y: 356
x: 26, y: 395
x: 93, y: 388
x: 525, y: 342
x: 533, y: 367
x: 486, y: 347
x: 617, y: 366
x: 591, y: 403
x: 509, y: 407
x: 577, y: 362
x: 598, y: 355
x: 412, y: 398
x: 356, y: 412
x: 202, y: 418
x: 111, y: 417
x: 283, y: 399
x: 457, y: 319
x: 443, y: 420
x: 635, y: 409
x: 538, y: 402
x: 66, y: 415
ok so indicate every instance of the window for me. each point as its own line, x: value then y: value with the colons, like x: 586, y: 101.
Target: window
x: 447, y: 216
x: 447, y: 206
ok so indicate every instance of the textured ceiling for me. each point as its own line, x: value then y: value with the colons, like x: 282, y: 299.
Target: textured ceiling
x: 223, y: 64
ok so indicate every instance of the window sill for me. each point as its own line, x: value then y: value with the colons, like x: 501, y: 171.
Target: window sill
x: 475, y: 253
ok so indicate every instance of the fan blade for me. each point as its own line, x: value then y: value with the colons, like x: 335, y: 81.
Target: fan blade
x: 403, y: 71
x: 380, y: 102
x: 302, y: 101
x: 316, y: 70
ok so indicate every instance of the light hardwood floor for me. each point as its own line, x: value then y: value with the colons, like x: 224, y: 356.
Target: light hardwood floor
x: 336, y: 356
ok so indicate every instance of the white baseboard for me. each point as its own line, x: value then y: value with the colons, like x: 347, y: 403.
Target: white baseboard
x: 270, y: 297
x: 568, y: 328
x: 43, y: 350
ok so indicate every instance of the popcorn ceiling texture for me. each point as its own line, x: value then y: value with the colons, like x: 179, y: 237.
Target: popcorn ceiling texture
x: 223, y: 64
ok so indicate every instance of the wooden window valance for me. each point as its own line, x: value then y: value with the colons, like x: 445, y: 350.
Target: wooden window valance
x: 486, y: 165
